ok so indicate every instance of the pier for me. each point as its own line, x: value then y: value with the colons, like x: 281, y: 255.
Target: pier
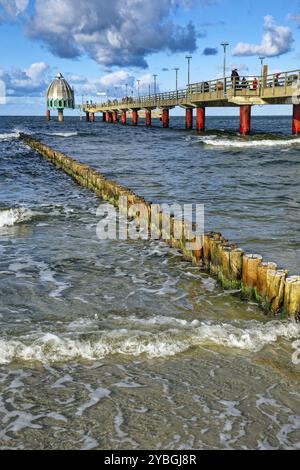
x: 275, y: 89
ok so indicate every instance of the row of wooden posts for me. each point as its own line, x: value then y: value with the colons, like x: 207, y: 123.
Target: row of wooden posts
x: 271, y: 287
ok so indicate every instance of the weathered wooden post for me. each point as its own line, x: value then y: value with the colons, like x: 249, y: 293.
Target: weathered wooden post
x: 292, y: 296
x: 275, y: 289
x: 250, y: 273
x: 262, y: 276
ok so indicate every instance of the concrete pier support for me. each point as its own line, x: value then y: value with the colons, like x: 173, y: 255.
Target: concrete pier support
x: 245, y: 120
x: 165, y: 118
x: 48, y: 115
x: 87, y: 116
x: 92, y: 117
x: 148, y: 118
x: 296, y: 119
x: 200, y: 120
x: 124, y: 118
x: 60, y: 115
x: 135, y: 117
x: 189, y: 118
x: 115, y: 118
x: 104, y: 117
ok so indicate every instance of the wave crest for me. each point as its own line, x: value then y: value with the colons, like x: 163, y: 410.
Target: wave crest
x: 10, y: 217
x: 9, y: 135
x: 50, y: 348
x: 239, y: 143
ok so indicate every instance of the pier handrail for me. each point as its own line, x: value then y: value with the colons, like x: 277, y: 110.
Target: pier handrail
x: 252, y: 85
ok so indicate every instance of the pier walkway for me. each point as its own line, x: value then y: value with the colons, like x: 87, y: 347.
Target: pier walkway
x: 275, y: 89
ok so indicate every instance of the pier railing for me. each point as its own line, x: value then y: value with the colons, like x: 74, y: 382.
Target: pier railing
x: 273, y: 85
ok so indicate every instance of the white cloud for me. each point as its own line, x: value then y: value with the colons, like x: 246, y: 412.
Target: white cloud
x: 14, y: 7
x: 276, y: 40
x: 32, y: 81
x: 118, y: 32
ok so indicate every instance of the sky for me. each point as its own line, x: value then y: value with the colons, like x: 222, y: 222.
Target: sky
x: 100, y: 46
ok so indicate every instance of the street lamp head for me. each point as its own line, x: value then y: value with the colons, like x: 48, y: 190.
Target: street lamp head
x: 188, y: 57
x: 225, y: 44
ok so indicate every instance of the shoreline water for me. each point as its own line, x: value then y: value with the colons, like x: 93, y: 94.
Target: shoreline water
x: 105, y: 341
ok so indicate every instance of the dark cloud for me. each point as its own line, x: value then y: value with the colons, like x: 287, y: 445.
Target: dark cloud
x: 210, y: 51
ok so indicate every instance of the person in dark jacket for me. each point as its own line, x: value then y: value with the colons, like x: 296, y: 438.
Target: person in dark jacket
x: 235, y: 78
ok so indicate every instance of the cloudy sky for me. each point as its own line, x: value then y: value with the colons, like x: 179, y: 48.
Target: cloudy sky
x: 101, y: 45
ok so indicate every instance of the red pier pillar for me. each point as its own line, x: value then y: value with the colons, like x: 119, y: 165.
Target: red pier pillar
x: 93, y: 117
x: 189, y: 118
x: 148, y: 117
x: 245, y: 120
x: 296, y: 119
x: 200, y: 120
x: 48, y: 115
x: 165, y: 118
x: 108, y: 117
x: 135, y: 117
x: 115, y: 117
x: 124, y: 118
x: 87, y: 116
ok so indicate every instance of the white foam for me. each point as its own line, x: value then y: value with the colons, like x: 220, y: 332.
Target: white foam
x: 62, y: 134
x: 239, y: 143
x: 95, y: 396
x: 49, y: 348
x: 9, y: 135
x: 10, y: 217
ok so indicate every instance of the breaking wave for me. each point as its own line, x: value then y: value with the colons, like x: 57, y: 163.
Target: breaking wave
x: 51, y: 348
x: 9, y: 135
x: 10, y: 217
x: 239, y: 143
x: 61, y: 134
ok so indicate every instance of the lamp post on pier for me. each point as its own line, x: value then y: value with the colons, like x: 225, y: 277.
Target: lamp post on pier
x: 177, y: 70
x: 262, y: 81
x: 155, y: 77
x: 225, y: 45
x: 188, y: 58
x: 138, y: 87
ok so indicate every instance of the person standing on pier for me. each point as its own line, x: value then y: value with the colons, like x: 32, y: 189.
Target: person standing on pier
x: 235, y: 78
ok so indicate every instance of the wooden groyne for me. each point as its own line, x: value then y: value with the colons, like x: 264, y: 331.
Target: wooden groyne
x: 257, y: 280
